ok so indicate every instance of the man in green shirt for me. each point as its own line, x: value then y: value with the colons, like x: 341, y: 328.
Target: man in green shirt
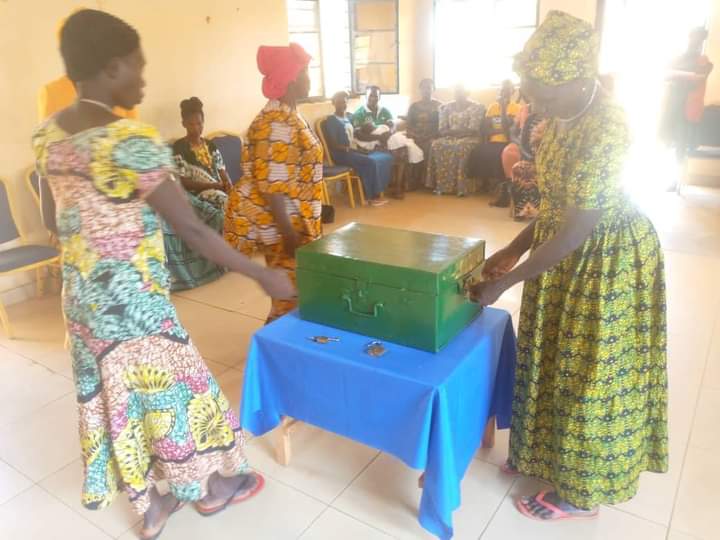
x: 371, y: 114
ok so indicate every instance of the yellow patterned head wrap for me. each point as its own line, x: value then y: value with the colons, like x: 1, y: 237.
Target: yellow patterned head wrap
x: 562, y: 49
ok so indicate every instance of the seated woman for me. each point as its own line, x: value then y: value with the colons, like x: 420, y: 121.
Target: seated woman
x: 524, y: 193
x: 423, y: 125
x: 460, y: 123
x: 374, y: 168
x: 202, y: 173
x: 201, y: 166
x: 485, y: 162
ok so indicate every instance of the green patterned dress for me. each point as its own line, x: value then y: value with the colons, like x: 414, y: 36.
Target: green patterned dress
x: 590, y: 407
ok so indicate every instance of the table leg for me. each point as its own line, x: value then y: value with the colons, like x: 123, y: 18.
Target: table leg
x: 283, y: 449
x: 489, y: 435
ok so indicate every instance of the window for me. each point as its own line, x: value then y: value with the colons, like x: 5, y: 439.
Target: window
x: 304, y: 29
x: 374, y: 44
x: 354, y: 43
x: 475, y: 40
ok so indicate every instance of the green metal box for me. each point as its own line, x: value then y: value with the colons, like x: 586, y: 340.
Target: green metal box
x: 401, y: 286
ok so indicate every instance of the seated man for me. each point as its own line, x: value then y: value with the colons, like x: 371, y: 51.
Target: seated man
x: 374, y: 127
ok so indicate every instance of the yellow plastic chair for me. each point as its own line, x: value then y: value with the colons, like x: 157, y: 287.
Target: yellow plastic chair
x: 335, y: 173
x: 23, y: 258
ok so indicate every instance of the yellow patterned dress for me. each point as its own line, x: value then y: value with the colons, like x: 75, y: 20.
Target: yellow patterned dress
x: 282, y: 156
x: 149, y: 408
x: 590, y: 407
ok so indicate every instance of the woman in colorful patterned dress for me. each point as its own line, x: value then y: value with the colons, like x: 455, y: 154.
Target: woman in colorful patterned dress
x: 590, y: 406
x: 460, y: 132
x: 205, y: 175
x: 149, y: 409
x: 275, y: 207
x: 201, y: 170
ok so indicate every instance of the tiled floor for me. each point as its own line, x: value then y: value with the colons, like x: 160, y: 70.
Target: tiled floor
x: 337, y: 489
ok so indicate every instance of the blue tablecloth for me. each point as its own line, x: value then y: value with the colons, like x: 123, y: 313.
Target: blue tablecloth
x: 429, y: 410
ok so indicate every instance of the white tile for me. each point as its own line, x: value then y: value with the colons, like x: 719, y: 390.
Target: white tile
x: 37, y: 515
x: 712, y: 367
x: 676, y: 535
x: 706, y: 428
x: 232, y: 292
x: 323, y: 464
x: 44, y: 442
x: 278, y: 512
x: 497, y: 455
x: 26, y: 387
x: 387, y: 496
x: 333, y: 525
x: 693, y: 292
x: 695, y: 508
x: 611, y: 524
x: 38, y: 327
x: 231, y: 383
x: 221, y: 336
x: 12, y: 483
x: 66, y: 486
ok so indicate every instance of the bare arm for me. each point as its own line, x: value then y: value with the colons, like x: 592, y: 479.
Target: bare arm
x: 577, y: 227
x: 47, y: 207
x: 225, y: 179
x: 290, y: 237
x: 196, y: 186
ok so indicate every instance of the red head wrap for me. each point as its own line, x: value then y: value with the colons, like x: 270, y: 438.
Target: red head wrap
x: 280, y: 66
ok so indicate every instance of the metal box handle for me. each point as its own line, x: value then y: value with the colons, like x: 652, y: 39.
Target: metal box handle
x: 375, y: 310
x: 466, y: 281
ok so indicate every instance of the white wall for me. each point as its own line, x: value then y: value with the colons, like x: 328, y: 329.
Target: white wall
x: 205, y: 48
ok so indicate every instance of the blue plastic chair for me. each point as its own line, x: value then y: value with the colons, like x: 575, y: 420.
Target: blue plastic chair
x: 22, y: 258
x: 230, y: 146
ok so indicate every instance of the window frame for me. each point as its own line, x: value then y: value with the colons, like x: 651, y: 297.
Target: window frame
x: 351, y: 28
x: 491, y: 86
x: 321, y: 60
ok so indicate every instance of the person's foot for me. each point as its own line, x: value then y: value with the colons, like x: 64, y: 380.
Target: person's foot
x: 509, y: 469
x: 222, y: 492
x: 378, y: 202
x: 156, y: 517
x: 548, y: 506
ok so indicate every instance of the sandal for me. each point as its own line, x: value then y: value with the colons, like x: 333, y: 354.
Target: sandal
x: 241, y: 495
x: 538, y: 509
x: 155, y: 536
x: 509, y: 469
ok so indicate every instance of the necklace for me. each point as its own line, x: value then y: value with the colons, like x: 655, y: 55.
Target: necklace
x: 100, y: 104
x: 584, y: 109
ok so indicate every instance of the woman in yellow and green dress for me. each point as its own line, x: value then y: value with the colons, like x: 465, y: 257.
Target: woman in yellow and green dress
x: 590, y: 406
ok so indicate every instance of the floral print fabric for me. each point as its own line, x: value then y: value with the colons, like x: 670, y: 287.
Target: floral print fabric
x: 149, y: 408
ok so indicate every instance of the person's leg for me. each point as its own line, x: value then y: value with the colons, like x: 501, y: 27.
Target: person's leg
x: 157, y: 515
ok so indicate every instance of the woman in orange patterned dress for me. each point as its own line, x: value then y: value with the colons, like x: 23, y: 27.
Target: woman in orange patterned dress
x: 275, y: 208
